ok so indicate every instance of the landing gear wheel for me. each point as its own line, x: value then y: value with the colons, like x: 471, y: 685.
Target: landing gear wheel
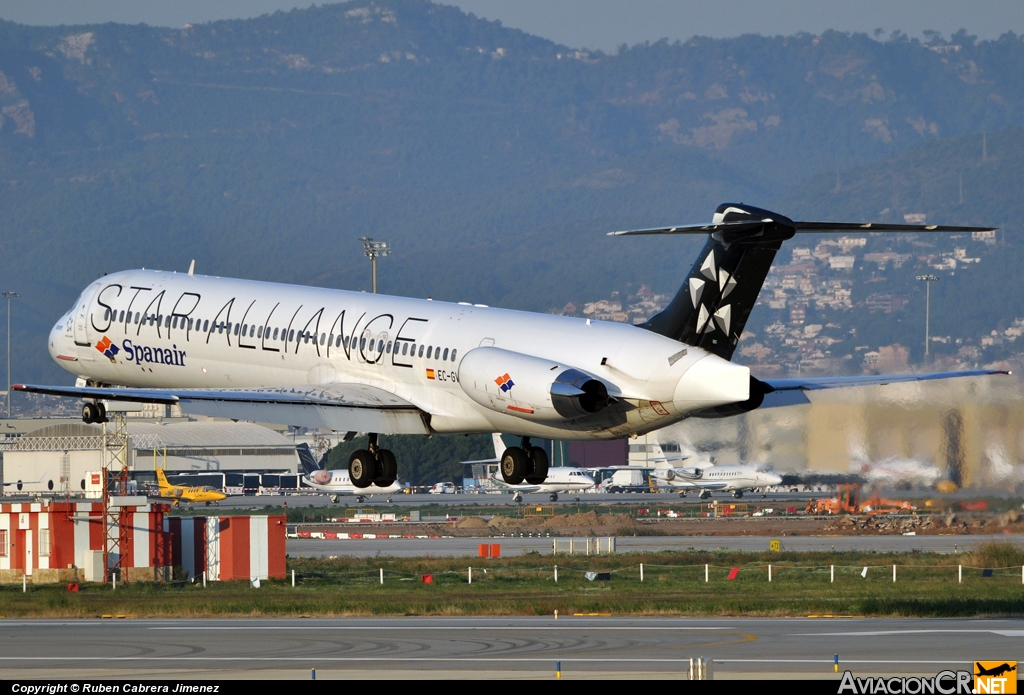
x: 682, y: 495
x: 539, y: 466
x: 362, y: 468
x: 514, y: 465
x: 705, y: 495
x: 335, y: 498
x: 360, y: 499
x: 738, y: 494
x: 517, y: 498
x: 553, y: 497
x: 388, y: 468
x: 94, y: 413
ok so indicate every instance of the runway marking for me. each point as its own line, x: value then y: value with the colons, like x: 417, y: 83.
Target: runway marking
x: 830, y: 661
x: 439, y: 659
x: 1003, y: 633
x: 503, y: 628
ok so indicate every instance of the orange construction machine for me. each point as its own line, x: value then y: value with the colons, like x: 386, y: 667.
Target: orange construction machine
x: 847, y: 501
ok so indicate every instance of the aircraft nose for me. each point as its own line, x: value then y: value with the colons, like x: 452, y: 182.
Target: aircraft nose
x: 57, y: 343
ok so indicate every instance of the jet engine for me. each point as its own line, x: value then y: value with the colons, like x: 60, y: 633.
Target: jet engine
x: 530, y: 387
x: 670, y: 474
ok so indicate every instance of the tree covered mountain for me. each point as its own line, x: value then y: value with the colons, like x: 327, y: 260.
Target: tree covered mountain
x: 494, y: 160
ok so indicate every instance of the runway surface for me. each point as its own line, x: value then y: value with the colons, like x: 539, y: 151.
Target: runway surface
x: 456, y: 547
x: 587, y: 647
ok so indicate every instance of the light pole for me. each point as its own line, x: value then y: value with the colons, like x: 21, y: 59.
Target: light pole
x: 928, y: 280
x: 372, y: 249
x: 10, y: 296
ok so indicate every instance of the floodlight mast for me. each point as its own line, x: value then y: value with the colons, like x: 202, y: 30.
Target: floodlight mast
x: 927, y: 280
x: 372, y: 250
x: 9, y: 295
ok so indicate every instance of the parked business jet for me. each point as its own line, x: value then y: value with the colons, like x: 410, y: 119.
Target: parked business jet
x: 730, y: 478
x: 337, y: 483
x: 565, y: 479
x: 351, y: 361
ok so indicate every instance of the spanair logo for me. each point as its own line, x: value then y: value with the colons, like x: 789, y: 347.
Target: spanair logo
x: 107, y: 348
x: 505, y: 383
x: 140, y: 354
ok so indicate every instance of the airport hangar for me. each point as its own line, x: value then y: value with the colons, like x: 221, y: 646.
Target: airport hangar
x: 64, y: 458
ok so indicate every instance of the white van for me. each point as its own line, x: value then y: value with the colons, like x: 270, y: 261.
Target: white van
x: 443, y: 489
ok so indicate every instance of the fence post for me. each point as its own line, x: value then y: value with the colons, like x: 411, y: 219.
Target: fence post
x: 959, y: 574
x: 705, y: 574
x: 556, y: 574
x: 204, y: 579
x: 832, y: 574
x: 554, y: 546
x: 894, y: 573
x: 293, y: 579
x: 571, y: 544
x: 470, y: 575
x: 382, y: 576
x: 641, y: 571
x: 769, y: 573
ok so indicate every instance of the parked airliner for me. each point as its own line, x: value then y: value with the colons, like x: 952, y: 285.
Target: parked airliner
x: 729, y: 478
x: 351, y: 361
x: 337, y: 483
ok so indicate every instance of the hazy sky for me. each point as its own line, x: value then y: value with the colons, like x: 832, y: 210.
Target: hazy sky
x: 595, y: 24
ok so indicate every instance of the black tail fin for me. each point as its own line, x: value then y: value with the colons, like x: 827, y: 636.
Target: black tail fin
x: 712, y: 307
x: 306, y: 459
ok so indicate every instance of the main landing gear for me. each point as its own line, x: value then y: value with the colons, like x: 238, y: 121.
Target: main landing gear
x: 374, y: 466
x: 705, y: 494
x: 94, y: 413
x: 524, y: 462
x: 738, y: 494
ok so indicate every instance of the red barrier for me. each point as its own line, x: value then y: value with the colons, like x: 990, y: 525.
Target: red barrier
x: 495, y: 549
x: 733, y: 573
x: 483, y: 550
x: 428, y: 579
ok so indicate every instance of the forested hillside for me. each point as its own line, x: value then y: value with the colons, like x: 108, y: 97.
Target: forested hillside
x: 494, y: 160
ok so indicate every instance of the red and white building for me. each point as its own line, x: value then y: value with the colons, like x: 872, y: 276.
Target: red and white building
x: 56, y: 541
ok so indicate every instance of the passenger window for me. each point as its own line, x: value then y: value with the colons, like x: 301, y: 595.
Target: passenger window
x: 136, y: 318
x: 174, y: 322
x: 337, y: 341
x: 345, y: 342
x: 259, y: 333
x: 206, y: 326
x: 275, y: 335
x: 421, y: 351
x: 453, y: 355
x: 291, y: 335
x: 106, y: 314
x: 121, y: 320
x: 430, y: 348
x: 445, y: 358
x: 380, y: 346
x: 323, y: 338
x: 405, y: 348
x: 371, y: 344
x: 388, y: 348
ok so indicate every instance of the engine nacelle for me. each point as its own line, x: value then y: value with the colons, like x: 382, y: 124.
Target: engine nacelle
x: 530, y: 387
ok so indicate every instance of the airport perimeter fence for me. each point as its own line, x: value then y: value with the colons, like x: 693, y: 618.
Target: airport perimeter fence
x: 751, y: 573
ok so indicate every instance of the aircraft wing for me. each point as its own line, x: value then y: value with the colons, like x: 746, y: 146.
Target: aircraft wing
x: 780, y: 392
x: 340, y: 407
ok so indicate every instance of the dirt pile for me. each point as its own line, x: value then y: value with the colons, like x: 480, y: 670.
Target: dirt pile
x: 934, y: 524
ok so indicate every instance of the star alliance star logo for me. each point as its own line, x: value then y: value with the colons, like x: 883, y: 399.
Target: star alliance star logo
x: 722, y: 318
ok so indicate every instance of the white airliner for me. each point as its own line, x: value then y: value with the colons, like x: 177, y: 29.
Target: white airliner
x: 731, y: 478
x: 338, y: 484
x: 351, y: 361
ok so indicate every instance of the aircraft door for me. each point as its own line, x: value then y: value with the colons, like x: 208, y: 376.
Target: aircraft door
x: 82, y: 317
